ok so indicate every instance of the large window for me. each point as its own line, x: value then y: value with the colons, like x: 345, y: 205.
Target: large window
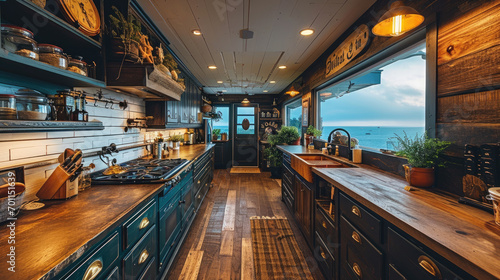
x: 223, y: 123
x: 374, y: 105
x: 294, y: 114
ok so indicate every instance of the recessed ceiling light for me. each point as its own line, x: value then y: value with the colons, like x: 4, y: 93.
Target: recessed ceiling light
x: 265, y: 90
x: 272, y: 82
x: 196, y: 32
x: 212, y: 67
x: 306, y: 32
x: 220, y: 82
x: 282, y: 67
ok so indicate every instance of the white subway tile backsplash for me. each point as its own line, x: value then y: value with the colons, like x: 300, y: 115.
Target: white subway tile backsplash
x: 59, y: 148
x: 27, y: 152
x: 22, y: 136
x: 60, y: 134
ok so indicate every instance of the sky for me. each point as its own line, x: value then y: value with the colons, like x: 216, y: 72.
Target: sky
x: 398, y: 101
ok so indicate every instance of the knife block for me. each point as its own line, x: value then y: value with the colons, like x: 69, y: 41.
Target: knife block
x: 56, y: 186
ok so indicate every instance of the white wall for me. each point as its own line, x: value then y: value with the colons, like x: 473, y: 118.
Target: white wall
x: 26, y: 148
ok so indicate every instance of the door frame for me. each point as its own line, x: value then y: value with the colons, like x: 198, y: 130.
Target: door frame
x: 234, y: 123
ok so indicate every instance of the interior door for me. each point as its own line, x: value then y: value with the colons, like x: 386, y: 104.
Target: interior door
x: 245, y: 146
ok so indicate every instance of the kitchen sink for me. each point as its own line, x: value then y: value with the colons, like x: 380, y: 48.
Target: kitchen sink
x: 303, y: 164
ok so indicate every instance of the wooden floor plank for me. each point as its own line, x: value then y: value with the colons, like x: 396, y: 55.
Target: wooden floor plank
x: 226, y: 246
x: 192, y: 266
x: 230, y: 211
x: 206, y: 217
x: 247, y: 269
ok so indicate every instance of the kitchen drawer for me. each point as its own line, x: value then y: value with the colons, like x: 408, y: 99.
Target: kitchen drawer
x: 140, y: 255
x: 288, y: 199
x: 325, y: 258
x: 287, y: 158
x: 394, y: 274
x: 413, y: 262
x: 135, y: 228
x: 369, y: 224
x: 358, y: 254
x: 201, y: 180
x: 150, y: 272
x: 100, y: 261
x: 324, y: 227
x: 287, y: 174
x: 288, y: 189
x: 114, y: 274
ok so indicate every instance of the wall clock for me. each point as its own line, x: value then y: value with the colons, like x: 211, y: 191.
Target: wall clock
x: 83, y: 14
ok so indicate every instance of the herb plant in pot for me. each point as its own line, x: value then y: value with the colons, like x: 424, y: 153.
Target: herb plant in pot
x: 125, y: 36
x: 423, y: 154
x: 312, y: 131
x: 288, y: 135
x: 215, y: 134
x: 176, y: 139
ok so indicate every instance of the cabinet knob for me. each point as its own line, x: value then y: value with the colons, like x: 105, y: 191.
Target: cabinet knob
x: 355, y: 211
x: 182, y: 201
x: 357, y: 270
x: 199, y: 181
x: 324, y: 224
x: 428, y: 265
x: 144, y: 223
x: 323, y: 255
x: 144, y: 256
x: 356, y: 237
x: 93, y: 270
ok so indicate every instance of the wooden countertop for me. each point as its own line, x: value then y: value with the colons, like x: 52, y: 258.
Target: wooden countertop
x: 464, y: 235
x: 50, y: 239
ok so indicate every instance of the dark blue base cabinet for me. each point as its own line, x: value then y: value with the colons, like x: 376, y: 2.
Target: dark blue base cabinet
x: 145, y: 246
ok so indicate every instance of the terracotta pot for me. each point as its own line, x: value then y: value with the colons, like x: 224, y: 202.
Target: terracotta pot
x: 206, y: 108
x: 419, y: 177
x: 215, y: 137
x: 296, y: 142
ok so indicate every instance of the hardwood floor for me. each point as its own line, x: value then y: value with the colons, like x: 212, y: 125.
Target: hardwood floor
x: 218, y: 245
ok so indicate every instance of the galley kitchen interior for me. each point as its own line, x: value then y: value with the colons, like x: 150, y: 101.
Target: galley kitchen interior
x: 249, y: 139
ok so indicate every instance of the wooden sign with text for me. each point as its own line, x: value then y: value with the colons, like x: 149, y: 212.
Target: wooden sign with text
x: 348, y: 50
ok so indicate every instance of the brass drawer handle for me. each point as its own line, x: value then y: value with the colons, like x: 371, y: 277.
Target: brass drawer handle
x: 428, y: 265
x: 144, y: 256
x: 323, y: 255
x: 324, y: 224
x: 199, y: 181
x: 355, y: 211
x: 357, y: 270
x: 144, y: 223
x: 356, y: 237
x: 93, y: 270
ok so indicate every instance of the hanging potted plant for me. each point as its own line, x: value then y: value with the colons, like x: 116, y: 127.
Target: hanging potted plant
x: 312, y: 132
x: 125, y: 36
x: 423, y: 154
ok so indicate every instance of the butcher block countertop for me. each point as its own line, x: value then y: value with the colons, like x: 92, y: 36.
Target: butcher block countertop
x: 50, y: 239
x: 464, y: 235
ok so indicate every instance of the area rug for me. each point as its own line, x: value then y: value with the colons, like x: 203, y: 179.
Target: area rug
x: 276, y: 253
x: 248, y: 170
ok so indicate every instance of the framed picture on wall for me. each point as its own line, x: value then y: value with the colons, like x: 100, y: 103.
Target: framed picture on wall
x: 305, y: 112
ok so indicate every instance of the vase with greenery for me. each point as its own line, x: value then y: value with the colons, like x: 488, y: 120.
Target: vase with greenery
x: 215, y: 134
x: 288, y: 135
x: 312, y: 132
x: 176, y: 139
x: 423, y: 154
x: 125, y: 35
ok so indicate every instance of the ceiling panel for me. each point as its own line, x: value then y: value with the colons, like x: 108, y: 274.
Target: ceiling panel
x: 247, y: 65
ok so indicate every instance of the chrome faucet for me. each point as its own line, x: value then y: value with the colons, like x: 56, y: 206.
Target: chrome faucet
x: 349, y: 153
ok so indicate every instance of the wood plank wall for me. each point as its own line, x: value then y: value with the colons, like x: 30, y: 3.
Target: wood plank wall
x: 468, y: 77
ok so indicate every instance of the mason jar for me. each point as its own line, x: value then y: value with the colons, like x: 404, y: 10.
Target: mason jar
x: 19, y: 40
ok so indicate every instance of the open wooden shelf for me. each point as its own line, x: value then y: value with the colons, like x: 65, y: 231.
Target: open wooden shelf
x: 28, y: 68
x: 43, y: 126
x: 54, y: 31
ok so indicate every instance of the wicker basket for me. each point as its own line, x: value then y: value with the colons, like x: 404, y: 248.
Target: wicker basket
x: 4, y: 201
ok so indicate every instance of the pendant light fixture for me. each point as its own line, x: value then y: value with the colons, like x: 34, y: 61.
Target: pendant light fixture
x: 398, y: 20
x: 245, y: 101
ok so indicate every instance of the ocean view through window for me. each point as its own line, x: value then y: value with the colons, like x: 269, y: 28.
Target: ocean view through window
x: 376, y: 104
x: 294, y: 114
x: 223, y: 123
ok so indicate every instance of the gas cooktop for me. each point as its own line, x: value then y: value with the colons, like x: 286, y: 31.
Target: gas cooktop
x: 142, y: 171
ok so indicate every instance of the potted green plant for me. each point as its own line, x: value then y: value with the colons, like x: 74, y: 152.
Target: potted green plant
x: 312, y: 132
x: 423, y: 154
x: 273, y: 156
x: 125, y: 35
x: 176, y: 139
x: 215, y: 134
x: 288, y: 135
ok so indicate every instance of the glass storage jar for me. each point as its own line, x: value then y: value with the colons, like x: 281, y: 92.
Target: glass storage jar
x: 31, y: 105
x: 19, y: 40
x: 53, y: 55
x: 7, y: 107
x: 64, y: 102
x: 77, y: 65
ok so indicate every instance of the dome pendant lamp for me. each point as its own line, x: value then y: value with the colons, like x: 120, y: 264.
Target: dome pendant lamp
x: 398, y: 20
